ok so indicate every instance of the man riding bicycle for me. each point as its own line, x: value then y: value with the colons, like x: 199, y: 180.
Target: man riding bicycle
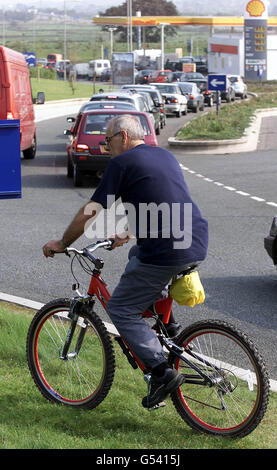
x: 144, y: 176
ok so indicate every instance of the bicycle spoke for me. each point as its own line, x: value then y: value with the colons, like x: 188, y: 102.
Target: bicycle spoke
x: 234, y: 398
x: 80, y: 378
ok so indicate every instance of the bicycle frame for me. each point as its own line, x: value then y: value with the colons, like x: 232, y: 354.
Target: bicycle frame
x: 161, y: 310
x: 162, y: 307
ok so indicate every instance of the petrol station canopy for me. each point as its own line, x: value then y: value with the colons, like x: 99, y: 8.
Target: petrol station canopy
x: 233, y: 21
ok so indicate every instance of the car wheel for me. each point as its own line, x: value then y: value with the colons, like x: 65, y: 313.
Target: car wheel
x: 202, y: 107
x: 158, y: 130
x: 30, y: 153
x: 211, y: 102
x: 195, y: 110
x: 185, y: 111
x: 178, y: 114
x: 69, y: 169
x: 77, y: 176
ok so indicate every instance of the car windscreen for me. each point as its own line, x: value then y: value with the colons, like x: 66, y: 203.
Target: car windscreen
x: 156, y: 96
x: 167, y: 89
x: 107, y: 105
x: 112, y: 98
x: 233, y: 79
x: 186, y: 88
x: 202, y: 84
x: 98, y: 123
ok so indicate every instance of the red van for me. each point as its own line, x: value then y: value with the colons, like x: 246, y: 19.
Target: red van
x: 16, y: 97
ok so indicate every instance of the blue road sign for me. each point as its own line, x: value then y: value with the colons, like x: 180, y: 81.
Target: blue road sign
x: 217, y: 82
x: 30, y: 59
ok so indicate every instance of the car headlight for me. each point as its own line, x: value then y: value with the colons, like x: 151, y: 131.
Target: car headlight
x: 273, y: 229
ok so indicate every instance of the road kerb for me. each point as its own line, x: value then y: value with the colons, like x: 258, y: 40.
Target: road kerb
x: 246, y: 143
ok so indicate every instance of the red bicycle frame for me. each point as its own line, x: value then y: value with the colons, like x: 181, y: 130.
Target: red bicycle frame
x: 163, y: 306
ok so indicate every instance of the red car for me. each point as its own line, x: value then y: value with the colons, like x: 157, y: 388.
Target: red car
x: 161, y: 76
x: 86, y: 153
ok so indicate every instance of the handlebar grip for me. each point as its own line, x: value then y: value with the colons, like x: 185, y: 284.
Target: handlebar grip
x: 98, y: 262
x: 109, y: 248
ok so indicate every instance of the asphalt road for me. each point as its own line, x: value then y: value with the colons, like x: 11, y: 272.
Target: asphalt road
x: 238, y: 276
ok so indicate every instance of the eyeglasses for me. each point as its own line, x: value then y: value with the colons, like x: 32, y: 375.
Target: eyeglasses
x: 108, y: 139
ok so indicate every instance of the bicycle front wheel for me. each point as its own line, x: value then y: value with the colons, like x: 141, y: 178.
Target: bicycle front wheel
x: 84, y: 377
x: 235, y: 400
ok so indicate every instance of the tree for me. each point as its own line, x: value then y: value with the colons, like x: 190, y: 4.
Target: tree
x: 147, y: 8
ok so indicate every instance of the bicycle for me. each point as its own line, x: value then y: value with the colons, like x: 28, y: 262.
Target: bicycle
x: 71, y: 358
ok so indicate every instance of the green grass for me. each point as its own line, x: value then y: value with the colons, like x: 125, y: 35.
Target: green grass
x: 87, y: 41
x: 29, y: 421
x: 61, y: 90
x: 232, y: 120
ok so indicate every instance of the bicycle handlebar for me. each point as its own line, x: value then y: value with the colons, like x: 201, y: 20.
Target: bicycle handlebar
x: 87, y: 252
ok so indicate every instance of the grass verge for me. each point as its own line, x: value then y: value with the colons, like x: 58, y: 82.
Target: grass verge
x: 61, y: 90
x: 28, y: 421
x: 232, y: 120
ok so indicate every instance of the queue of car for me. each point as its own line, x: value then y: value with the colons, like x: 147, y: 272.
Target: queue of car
x: 150, y: 102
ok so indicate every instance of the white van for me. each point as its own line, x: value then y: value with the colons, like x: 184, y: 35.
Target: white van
x: 96, y: 67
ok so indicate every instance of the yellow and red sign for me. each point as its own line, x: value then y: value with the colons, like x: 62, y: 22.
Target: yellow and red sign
x: 255, y: 8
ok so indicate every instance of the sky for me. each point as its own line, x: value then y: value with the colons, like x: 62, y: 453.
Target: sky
x: 237, y: 6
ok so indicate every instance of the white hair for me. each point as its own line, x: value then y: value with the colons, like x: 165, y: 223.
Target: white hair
x: 130, y: 124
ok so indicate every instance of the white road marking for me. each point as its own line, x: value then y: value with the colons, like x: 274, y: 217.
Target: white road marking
x: 228, y: 188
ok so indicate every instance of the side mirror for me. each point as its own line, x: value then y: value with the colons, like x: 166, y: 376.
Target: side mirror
x: 71, y: 119
x: 67, y: 132
x: 40, y: 97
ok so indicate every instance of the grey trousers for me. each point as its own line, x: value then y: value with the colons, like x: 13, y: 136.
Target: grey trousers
x: 140, y: 286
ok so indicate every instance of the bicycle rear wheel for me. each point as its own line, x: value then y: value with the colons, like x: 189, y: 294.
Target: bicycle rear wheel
x: 236, y: 402
x: 85, y: 377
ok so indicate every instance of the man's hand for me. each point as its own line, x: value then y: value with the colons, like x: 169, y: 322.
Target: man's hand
x: 119, y: 240
x: 52, y: 247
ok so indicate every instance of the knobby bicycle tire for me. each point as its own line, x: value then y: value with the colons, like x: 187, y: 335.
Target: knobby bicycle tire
x: 236, y: 404
x: 84, y: 378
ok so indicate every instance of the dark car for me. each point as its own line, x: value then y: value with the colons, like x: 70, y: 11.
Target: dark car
x: 106, y: 75
x: 228, y: 94
x: 179, y: 77
x: 201, y: 64
x: 194, y: 96
x: 270, y: 242
x: 156, y: 95
x: 143, y: 75
x: 86, y: 152
x: 209, y: 96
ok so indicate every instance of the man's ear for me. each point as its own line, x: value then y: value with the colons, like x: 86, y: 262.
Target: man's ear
x: 124, y: 136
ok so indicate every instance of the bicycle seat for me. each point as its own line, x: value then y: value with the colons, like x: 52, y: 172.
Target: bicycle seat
x: 187, y: 270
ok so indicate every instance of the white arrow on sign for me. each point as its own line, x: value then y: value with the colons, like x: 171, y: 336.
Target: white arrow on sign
x: 216, y: 82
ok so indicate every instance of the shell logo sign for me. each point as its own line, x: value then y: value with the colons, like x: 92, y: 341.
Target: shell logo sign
x: 255, y: 8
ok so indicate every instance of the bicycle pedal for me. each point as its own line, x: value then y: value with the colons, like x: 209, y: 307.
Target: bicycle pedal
x: 159, y: 405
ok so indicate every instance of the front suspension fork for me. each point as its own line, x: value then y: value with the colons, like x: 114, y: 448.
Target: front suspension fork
x: 74, y: 315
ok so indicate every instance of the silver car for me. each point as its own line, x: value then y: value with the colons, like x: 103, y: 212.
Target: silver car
x: 239, y: 86
x: 194, y: 96
x: 175, y: 100
x: 126, y: 96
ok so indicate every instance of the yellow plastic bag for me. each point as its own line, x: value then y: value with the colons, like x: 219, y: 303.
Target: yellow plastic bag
x: 188, y: 290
